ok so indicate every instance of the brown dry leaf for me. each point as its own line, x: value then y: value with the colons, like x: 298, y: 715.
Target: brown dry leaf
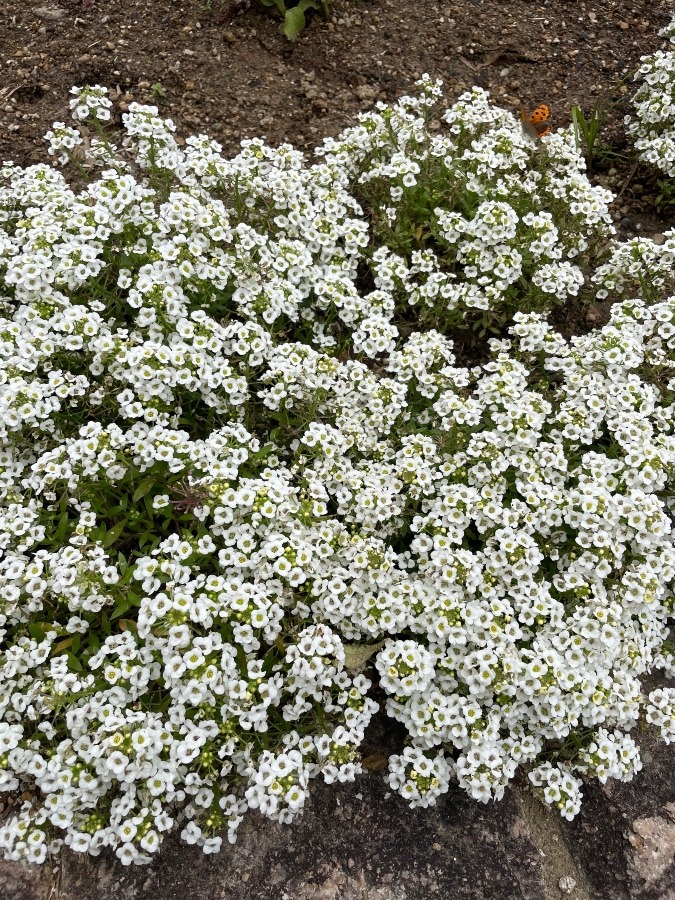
x: 357, y: 655
x: 492, y: 56
x: 376, y: 762
x: 469, y: 64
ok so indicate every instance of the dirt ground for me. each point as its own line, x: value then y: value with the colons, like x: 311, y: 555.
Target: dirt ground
x: 222, y: 67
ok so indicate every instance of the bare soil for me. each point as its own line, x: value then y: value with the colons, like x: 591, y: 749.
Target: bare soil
x: 222, y: 67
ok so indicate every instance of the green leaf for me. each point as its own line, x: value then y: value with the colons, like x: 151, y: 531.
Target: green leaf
x: 261, y: 454
x: 143, y: 488
x: 163, y: 704
x: 36, y: 632
x: 74, y: 664
x: 145, y: 538
x: 105, y: 624
x: 114, y: 533
x: 62, y: 528
x: 121, y: 607
x: 294, y: 22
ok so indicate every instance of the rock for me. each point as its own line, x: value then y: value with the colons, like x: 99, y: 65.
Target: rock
x: 659, y: 238
x: 366, y: 92
x: 622, y: 840
x: 653, y: 840
x: 357, y: 842
x: 567, y: 884
x: 51, y: 13
x: 24, y: 882
x: 341, y: 848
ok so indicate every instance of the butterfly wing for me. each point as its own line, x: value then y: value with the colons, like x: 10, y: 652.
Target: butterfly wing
x: 535, y: 124
x: 539, y: 118
x: 540, y: 114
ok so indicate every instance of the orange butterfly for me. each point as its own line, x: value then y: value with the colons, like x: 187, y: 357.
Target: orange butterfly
x: 535, y: 125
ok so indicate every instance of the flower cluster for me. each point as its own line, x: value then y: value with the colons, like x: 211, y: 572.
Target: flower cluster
x: 90, y: 103
x: 653, y: 128
x: 418, y: 778
x: 637, y: 267
x: 475, y: 221
x: 556, y: 786
x: 232, y: 463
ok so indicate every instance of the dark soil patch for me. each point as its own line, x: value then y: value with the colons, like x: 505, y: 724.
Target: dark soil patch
x: 227, y: 71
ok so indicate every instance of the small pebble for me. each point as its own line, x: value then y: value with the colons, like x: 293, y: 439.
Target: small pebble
x: 52, y: 14
x: 567, y: 884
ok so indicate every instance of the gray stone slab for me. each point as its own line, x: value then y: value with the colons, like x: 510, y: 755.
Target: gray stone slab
x: 352, y: 843
x: 358, y: 842
x: 624, y: 836
x: 22, y: 882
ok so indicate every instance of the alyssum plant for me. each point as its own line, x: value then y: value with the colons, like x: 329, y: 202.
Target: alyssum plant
x: 653, y: 126
x: 223, y: 468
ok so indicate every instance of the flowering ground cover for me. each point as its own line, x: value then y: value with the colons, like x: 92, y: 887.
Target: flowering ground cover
x: 653, y: 127
x: 247, y: 482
